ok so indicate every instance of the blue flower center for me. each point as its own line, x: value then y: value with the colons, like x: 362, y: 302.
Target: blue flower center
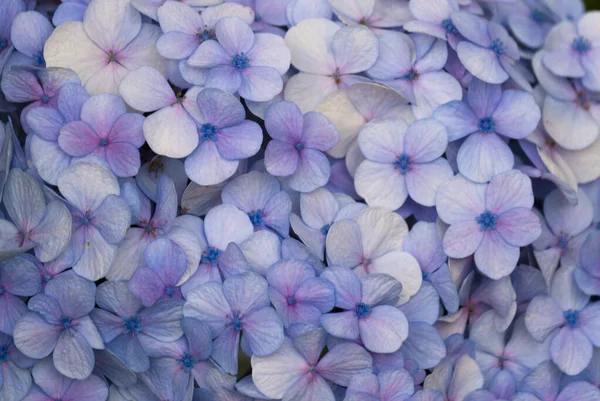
x: 209, y: 132
x: 291, y: 300
x: 256, y: 218
x: 299, y: 146
x: 211, y: 255
x: 537, y: 16
x: 47, y: 277
x: 187, y: 361
x: 501, y: 361
x: 497, y: 47
x: 402, y: 163
x: 581, y: 45
x: 23, y: 166
x: 3, y: 44
x: 170, y: 290
x: 205, y: 34
x: 426, y: 276
x: 112, y: 57
x: 39, y: 59
x: 412, y: 75
x: 563, y: 241
x: 87, y: 218
x: 571, y: 318
x: 487, y: 221
x: 236, y: 322
x: 3, y: 353
x: 66, y: 322
x: 325, y: 229
x: 240, y: 62
x: 132, y: 324
x: 337, y: 76
x: 362, y: 310
x: 45, y: 99
x: 487, y: 125
x: 103, y: 142
x: 257, y: 17
x: 449, y: 26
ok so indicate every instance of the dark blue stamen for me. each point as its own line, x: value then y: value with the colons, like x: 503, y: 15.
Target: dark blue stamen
x: 209, y: 132
x: 412, y: 75
x: 299, y: 146
x: 23, y: 166
x: 563, y: 241
x: 325, y: 229
x: 571, y: 318
x: 132, y: 323
x: 240, y: 62
x: 487, y: 125
x: 581, y: 45
x: 291, y: 300
x: 187, y: 361
x: 205, y: 34
x: 236, y: 322
x: 39, y: 59
x: 497, y: 47
x: 45, y: 99
x: 3, y: 44
x: 66, y: 322
x: 402, y: 163
x: 47, y: 277
x: 87, y: 218
x: 103, y: 142
x: 537, y: 16
x: 3, y: 353
x: 256, y: 218
x: 487, y: 221
x: 449, y: 26
x: 169, y: 290
x: 257, y: 17
x: 211, y: 255
x: 426, y: 276
x: 179, y: 100
x: 362, y: 310
x: 501, y: 361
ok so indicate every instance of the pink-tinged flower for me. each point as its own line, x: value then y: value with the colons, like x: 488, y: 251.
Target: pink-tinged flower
x: 491, y: 220
x: 110, y: 42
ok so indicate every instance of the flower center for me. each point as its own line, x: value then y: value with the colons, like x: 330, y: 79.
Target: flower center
x: 412, y: 75
x: 363, y: 21
x: 336, y: 76
x: 240, y: 62
x: 299, y: 146
x: 236, y: 322
x: 3, y: 353
x: 291, y: 300
x: 45, y: 99
x: 362, y: 310
x: 581, y: 45
x: 66, y: 322
x: 571, y: 318
x: 426, y: 276
x: 325, y: 229
x: 187, y: 361
x: 501, y: 361
x: 112, y: 57
x: 3, y: 44
x: 257, y: 17
x: 563, y: 241
x: 402, y: 163
x: 103, y: 142
x: 87, y: 218
x: 211, y: 255
x: 132, y: 323
x: 170, y: 290
x: 205, y: 34
x: 39, y: 59
x: 256, y: 218
x: 487, y: 221
x: 209, y: 132
x: 47, y: 277
x: 487, y: 125
x: 582, y: 100
x: 497, y: 47
x: 449, y: 26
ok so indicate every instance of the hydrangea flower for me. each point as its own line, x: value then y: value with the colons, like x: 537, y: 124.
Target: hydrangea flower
x: 587, y: 271
x: 565, y: 316
x: 8, y: 11
x: 374, y: 14
x: 433, y: 17
x: 30, y: 42
x: 295, y: 150
x: 106, y: 133
x: 241, y: 61
x: 489, y: 220
x: 571, y: 50
x: 111, y: 41
x: 412, y: 66
x: 328, y: 57
x: 123, y: 321
x: 100, y: 217
x: 259, y: 195
x: 382, y: 387
x: 15, y: 378
x: 487, y: 113
x: 297, y: 370
x: 239, y: 305
x: 59, y: 324
x: 530, y: 22
x: 268, y: 15
x: 18, y: 278
x: 401, y: 161
x: 454, y: 381
x: 70, y: 10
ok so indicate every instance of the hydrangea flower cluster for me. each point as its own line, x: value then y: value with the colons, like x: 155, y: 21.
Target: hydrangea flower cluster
x: 299, y: 200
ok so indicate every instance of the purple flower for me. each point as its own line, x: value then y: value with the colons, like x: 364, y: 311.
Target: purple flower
x: 165, y: 264
x: 372, y: 243
x: 59, y: 324
x: 260, y: 196
x: 123, y: 322
x: 9, y: 9
x: 241, y: 61
x: 588, y: 270
x: 297, y: 294
x: 51, y: 385
x: 70, y: 10
x: 412, y: 66
x: 565, y: 316
x: 268, y: 15
x: 401, y: 161
x: 296, y: 369
x: 530, y: 21
x: 17, y: 279
x: 571, y: 50
x: 375, y: 15
x: 298, y: 141
x: 299, y: 10
x: 490, y: 220
x: 368, y: 313
x: 15, y: 379
x: 28, y: 41
x: 383, y: 387
x: 455, y: 380
x: 239, y: 305
x: 329, y: 58
x: 44, y: 227
x: 320, y: 209
x: 100, y: 217
x: 487, y: 113
x: 45, y: 124
x: 110, y: 42
x: 432, y: 17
